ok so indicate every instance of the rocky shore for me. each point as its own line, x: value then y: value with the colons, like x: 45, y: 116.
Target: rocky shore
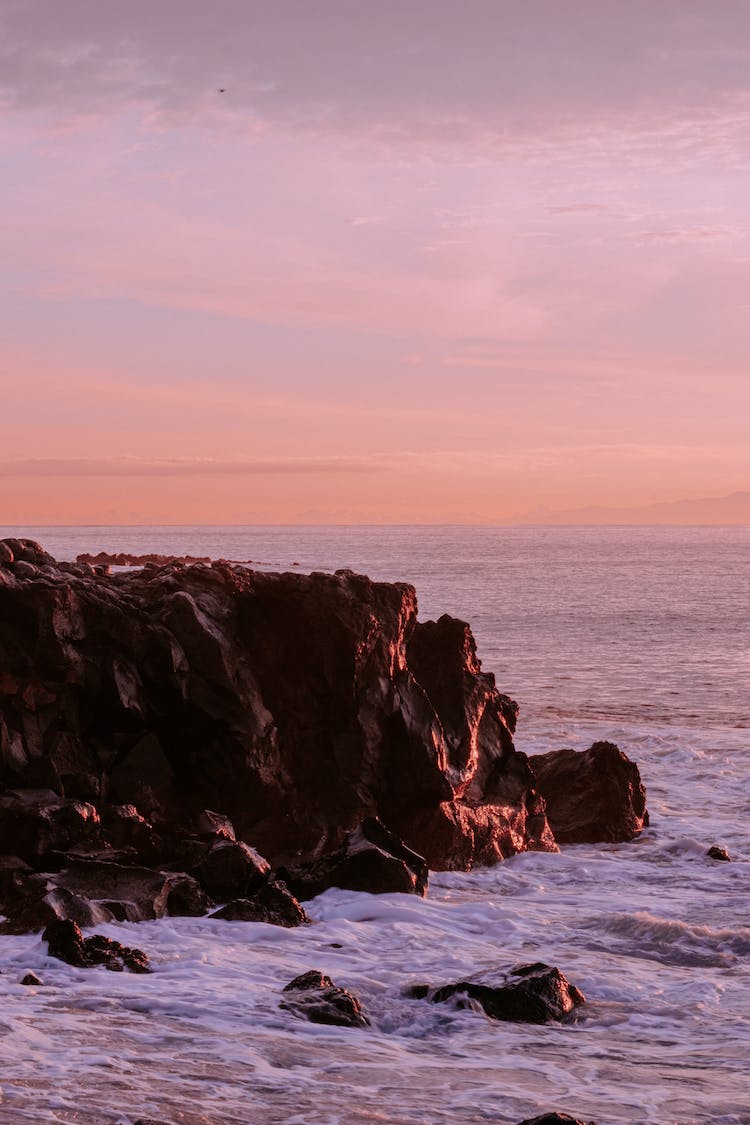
x: 194, y: 733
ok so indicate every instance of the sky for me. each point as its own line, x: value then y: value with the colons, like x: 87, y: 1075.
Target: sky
x: 335, y: 261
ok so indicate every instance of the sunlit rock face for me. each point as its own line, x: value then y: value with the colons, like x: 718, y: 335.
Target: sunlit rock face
x: 295, y: 704
x: 592, y: 796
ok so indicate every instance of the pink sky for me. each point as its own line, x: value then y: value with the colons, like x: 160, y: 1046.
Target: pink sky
x: 421, y: 262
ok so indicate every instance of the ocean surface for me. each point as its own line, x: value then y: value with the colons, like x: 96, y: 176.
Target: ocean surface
x: 638, y: 635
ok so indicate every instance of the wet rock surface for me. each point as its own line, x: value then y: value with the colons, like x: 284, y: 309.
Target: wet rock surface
x: 371, y: 859
x: 67, y: 943
x: 315, y: 997
x: 272, y: 903
x: 592, y: 796
x: 534, y: 993
x: 715, y: 852
x: 296, y: 706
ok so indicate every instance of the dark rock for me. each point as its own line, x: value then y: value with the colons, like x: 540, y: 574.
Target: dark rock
x: 31, y: 979
x: 216, y: 826
x: 231, y: 870
x: 186, y: 897
x: 272, y: 903
x: 34, y: 822
x: 28, y: 551
x: 593, y: 795
x: 315, y: 997
x: 715, y: 852
x: 67, y: 943
x: 371, y: 859
x: 533, y: 993
x: 131, y: 894
x: 555, y: 1119
x: 124, y: 827
x: 296, y: 705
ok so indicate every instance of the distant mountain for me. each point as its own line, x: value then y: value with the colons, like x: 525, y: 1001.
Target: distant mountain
x: 732, y: 509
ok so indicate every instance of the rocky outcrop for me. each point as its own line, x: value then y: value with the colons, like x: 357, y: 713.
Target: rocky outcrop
x: 66, y: 942
x: 295, y: 705
x: 533, y: 993
x: 315, y: 997
x: 592, y: 796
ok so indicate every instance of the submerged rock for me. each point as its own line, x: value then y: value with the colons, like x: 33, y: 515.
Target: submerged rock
x: 32, y: 980
x: 535, y: 993
x: 715, y: 852
x: 593, y: 795
x: 67, y: 943
x: 315, y: 997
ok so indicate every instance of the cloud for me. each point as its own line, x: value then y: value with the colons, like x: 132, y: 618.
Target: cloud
x: 179, y: 467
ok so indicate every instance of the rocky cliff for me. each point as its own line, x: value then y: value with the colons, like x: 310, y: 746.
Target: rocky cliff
x: 295, y: 704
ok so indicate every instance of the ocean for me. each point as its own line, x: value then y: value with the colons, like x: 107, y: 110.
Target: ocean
x: 636, y: 635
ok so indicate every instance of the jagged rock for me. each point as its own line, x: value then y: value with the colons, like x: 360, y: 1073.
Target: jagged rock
x: 67, y: 943
x: 533, y: 993
x: 371, y: 859
x: 272, y: 903
x: 593, y: 795
x: 34, y: 822
x: 715, y: 852
x: 31, y: 979
x: 315, y: 997
x: 232, y: 870
x: 294, y: 704
x: 124, y: 827
x: 555, y: 1119
x: 215, y: 826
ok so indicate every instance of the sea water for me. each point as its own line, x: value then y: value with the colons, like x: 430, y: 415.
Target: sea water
x: 638, y: 635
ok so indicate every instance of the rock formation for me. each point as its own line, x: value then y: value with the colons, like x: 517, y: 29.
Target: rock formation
x: 296, y: 705
x: 533, y: 993
x: 592, y: 796
x: 315, y: 997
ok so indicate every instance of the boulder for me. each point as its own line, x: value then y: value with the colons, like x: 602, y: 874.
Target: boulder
x: 31, y: 979
x: 67, y: 943
x: 315, y: 997
x: 132, y: 894
x: 231, y: 870
x: 534, y: 993
x: 715, y: 852
x: 272, y: 903
x: 371, y: 859
x: 592, y: 796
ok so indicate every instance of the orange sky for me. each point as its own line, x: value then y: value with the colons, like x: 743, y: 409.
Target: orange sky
x: 434, y: 262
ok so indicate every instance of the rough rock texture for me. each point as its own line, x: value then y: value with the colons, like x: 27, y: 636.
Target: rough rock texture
x: 533, y: 993
x: 272, y: 903
x: 593, y: 795
x: 295, y: 705
x: 370, y: 859
x: 67, y: 943
x: 315, y: 996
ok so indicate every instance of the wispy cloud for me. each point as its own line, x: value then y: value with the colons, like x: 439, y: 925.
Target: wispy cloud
x: 181, y: 467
